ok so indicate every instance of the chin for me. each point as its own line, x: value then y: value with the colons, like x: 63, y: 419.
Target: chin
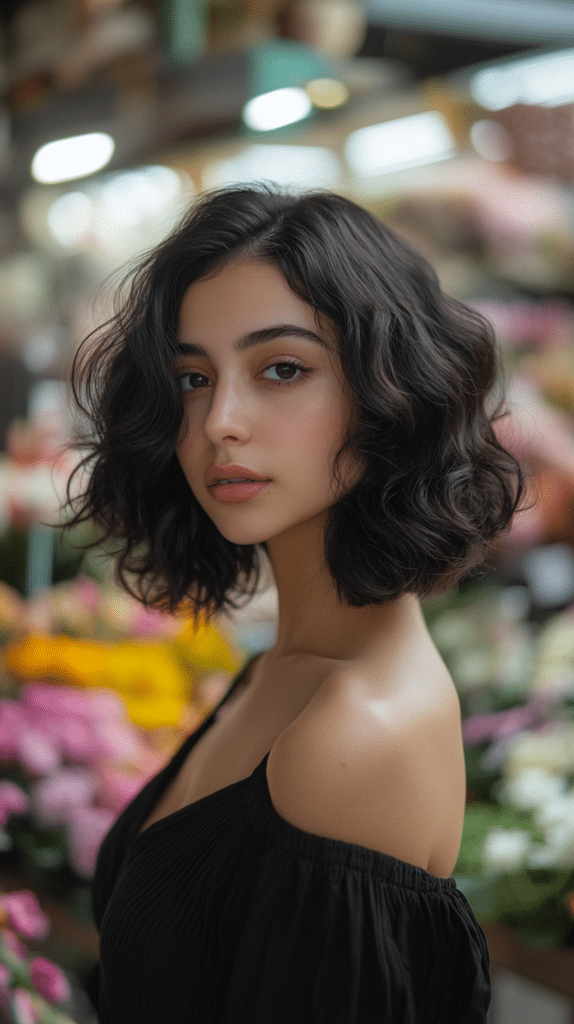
x: 243, y: 537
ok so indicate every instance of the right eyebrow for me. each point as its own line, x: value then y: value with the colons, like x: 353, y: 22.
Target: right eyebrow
x: 186, y: 348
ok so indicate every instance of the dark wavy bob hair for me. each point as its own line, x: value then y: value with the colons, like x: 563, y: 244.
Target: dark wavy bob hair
x: 437, y: 487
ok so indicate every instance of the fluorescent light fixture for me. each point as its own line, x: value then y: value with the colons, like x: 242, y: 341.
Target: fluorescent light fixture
x: 116, y: 212
x: 395, y: 145
x: 305, y: 166
x: 521, y: 21
x: 71, y: 158
x: 276, y: 109
x: 70, y: 218
x: 547, y: 80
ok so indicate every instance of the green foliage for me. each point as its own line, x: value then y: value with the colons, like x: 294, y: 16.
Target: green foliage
x: 479, y: 780
x: 532, y: 900
x: 481, y: 818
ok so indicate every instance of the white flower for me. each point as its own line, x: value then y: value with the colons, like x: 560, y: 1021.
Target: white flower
x: 560, y: 837
x: 555, y: 811
x: 531, y: 788
x: 552, y: 750
x: 505, y: 849
x: 473, y: 668
x: 540, y: 856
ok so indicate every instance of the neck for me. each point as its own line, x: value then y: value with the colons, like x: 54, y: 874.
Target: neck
x: 311, y: 618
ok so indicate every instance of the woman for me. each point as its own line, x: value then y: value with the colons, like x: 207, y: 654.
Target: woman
x: 292, y: 862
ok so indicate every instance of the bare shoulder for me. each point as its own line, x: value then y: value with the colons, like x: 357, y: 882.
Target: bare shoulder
x: 380, y: 773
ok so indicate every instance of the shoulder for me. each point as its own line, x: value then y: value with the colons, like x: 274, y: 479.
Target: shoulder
x: 349, y: 769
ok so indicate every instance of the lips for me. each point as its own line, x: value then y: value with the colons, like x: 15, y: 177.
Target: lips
x: 231, y: 472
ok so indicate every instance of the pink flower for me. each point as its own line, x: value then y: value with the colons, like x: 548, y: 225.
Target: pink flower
x: 26, y: 915
x: 57, y: 795
x: 13, y: 800
x: 49, y: 980
x: 514, y: 720
x: 117, y: 788
x: 12, y: 942
x: 7, y: 742
x: 498, y: 724
x: 22, y: 1007
x: 12, y: 716
x: 5, y: 976
x: 115, y: 739
x: 87, y: 828
x: 36, y: 751
x: 57, y: 701
x: 107, y: 705
x: 478, y: 728
x: 87, y: 593
x: 150, y: 622
x: 76, y: 742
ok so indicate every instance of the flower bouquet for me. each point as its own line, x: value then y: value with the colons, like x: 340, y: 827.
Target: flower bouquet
x: 33, y: 990
x: 515, y: 681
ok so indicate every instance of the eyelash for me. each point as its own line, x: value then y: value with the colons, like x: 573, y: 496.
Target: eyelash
x: 285, y: 383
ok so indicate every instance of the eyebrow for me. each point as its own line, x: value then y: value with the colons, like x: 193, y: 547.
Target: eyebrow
x: 186, y: 348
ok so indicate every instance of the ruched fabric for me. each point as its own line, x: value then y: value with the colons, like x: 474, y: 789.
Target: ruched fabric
x: 225, y: 913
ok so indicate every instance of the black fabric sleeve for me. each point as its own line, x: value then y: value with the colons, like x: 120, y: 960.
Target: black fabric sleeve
x: 331, y: 945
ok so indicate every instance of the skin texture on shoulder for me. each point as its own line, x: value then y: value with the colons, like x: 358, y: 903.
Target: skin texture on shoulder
x: 348, y: 769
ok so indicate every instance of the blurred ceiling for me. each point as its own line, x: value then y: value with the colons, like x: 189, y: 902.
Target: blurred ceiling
x: 511, y: 21
x: 155, y: 94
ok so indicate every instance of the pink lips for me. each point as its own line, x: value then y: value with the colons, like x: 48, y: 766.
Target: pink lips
x: 228, y: 472
x: 238, y: 492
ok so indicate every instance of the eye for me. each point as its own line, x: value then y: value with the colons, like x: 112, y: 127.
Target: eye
x: 303, y: 371
x: 290, y: 364
x: 186, y: 376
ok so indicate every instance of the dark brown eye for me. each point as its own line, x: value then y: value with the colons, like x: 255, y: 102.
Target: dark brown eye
x: 289, y: 366
x: 187, y: 376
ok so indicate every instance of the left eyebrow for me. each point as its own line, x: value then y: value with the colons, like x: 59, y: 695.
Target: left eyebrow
x: 185, y: 348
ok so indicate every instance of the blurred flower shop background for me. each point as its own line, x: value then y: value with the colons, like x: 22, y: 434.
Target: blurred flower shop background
x: 456, y: 126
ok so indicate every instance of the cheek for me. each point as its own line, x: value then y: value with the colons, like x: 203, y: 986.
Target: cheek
x: 311, y: 442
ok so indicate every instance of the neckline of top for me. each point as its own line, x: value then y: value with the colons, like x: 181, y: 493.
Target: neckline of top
x: 172, y: 767
x: 265, y: 817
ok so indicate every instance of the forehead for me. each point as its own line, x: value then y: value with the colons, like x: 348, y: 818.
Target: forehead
x: 245, y: 295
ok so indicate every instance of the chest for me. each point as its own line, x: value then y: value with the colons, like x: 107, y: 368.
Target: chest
x: 245, y: 729
x: 248, y: 726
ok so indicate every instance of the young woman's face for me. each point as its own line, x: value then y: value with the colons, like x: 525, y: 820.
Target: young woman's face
x: 283, y: 422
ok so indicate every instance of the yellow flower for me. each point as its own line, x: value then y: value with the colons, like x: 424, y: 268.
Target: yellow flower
x: 207, y: 649
x: 151, y: 713
x: 155, y: 678
x: 145, y: 669
x: 38, y: 656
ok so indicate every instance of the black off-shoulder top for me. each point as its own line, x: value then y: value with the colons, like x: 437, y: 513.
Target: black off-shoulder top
x: 225, y: 913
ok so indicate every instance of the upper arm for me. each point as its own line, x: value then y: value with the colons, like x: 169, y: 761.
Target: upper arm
x: 342, y: 771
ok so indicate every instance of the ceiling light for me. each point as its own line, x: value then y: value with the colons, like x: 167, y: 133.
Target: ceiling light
x: 119, y: 212
x: 71, y: 158
x: 305, y: 166
x: 70, y: 218
x: 394, y: 145
x: 276, y: 109
x: 524, y: 21
x: 547, y: 80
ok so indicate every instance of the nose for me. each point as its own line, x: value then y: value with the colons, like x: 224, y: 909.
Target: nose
x: 228, y: 414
